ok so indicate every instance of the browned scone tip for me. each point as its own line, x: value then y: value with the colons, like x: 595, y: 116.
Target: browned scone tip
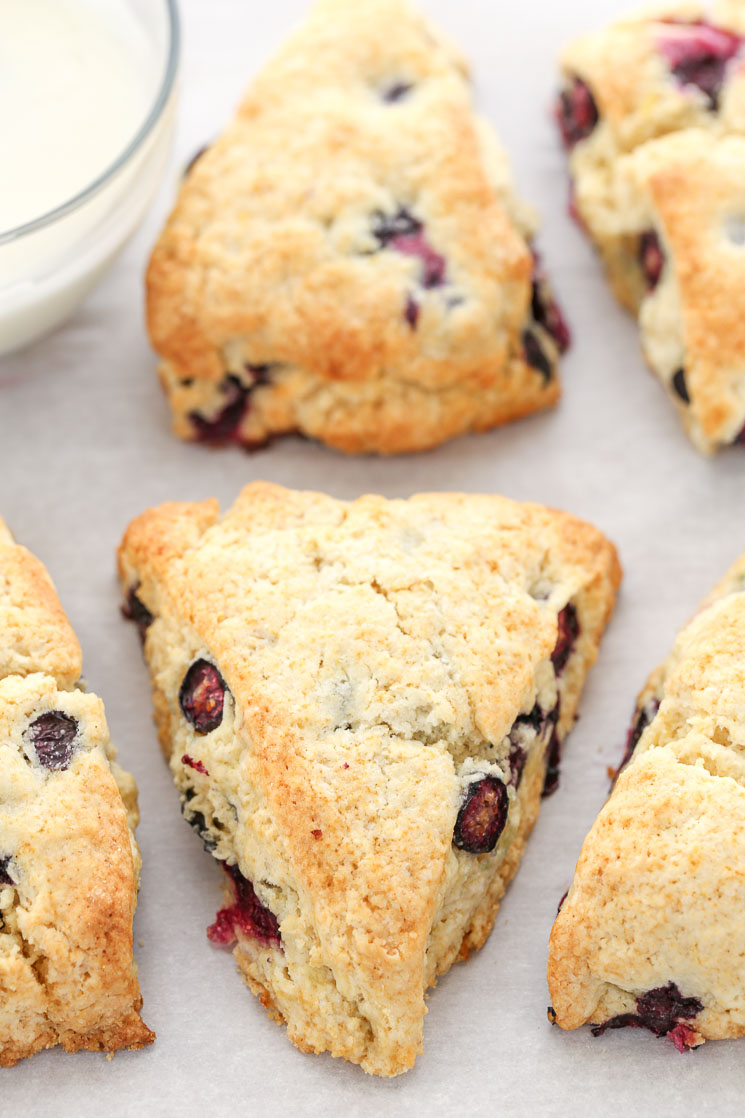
x: 361, y: 704
x: 349, y: 260
x: 650, y: 931
x: 69, y: 864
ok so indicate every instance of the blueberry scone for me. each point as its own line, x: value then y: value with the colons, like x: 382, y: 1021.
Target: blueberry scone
x: 650, y: 933
x: 69, y: 864
x: 361, y: 704
x: 653, y: 113
x: 349, y: 260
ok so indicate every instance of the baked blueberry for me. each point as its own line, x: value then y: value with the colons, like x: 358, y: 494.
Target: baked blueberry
x: 247, y: 915
x: 482, y: 816
x: 202, y: 696
x: 405, y: 233
x: 547, y: 313
x: 516, y: 760
x: 5, y: 877
x: 663, y: 1011
x: 637, y: 728
x: 135, y: 610
x: 224, y: 426
x: 397, y: 92
x: 52, y: 736
x: 535, y: 356
x: 576, y: 112
x: 553, y: 756
x: 680, y: 387
x: 698, y: 54
x: 651, y: 258
x: 568, y: 631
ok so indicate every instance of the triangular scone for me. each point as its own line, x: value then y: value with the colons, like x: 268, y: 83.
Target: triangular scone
x: 653, y: 111
x: 651, y: 931
x: 359, y: 702
x: 69, y: 864
x: 349, y: 260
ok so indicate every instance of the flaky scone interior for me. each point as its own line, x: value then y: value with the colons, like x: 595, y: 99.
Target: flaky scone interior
x: 361, y: 704
x: 650, y: 933
x: 652, y: 111
x: 69, y: 864
x: 349, y: 260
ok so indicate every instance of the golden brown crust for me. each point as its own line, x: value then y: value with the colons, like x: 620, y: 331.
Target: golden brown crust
x: 67, y: 853
x: 270, y: 272
x: 659, y: 888
x: 664, y: 160
x: 35, y: 635
x: 377, y: 654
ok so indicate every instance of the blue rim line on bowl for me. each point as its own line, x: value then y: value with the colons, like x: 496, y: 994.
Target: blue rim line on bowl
x: 161, y: 100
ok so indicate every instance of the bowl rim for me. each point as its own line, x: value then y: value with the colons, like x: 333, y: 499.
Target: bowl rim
x: 162, y: 98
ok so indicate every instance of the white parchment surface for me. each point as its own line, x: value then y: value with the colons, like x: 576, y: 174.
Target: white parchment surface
x: 85, y: 445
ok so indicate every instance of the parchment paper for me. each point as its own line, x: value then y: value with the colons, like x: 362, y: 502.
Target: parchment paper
x: 85, y: 445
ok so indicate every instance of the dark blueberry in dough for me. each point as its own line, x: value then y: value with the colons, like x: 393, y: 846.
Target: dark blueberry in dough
x: 5, y: 878
x: 568, y: 631
x: 53, y: 738
x: 411, y: 313
x: 135, y: 610
x: 651, y: 258
x: 482, y: 816
x: 576, y: 112
x: 225, y: 426
x: 641, y: 720
x: 202, y: 696
x: 535, y: 356
x: 405, y: 233
x: 247, y: 915
x: 663, y: 1011
x: 196, y: 820
x: 396, y: 92
x: 698, y: 53
x: 536, y: 718
x: 387, y: 227
x: 553, y: 756
x: 517, y: 758
x: 680, y: 387
x: 547, y: 313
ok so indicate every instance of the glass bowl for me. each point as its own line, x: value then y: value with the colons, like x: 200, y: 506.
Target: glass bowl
x: 49, y: 264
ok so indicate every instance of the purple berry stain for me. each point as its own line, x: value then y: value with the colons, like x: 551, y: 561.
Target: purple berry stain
x: 53, y: 738
x: 576, y: 113
x: 192, y: 764
x: 698, y: 53
x: 246, y: 915
x: 664, y: 1011
x: 202, y: 696
x: 651, y: 258
x: 482, y: 816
